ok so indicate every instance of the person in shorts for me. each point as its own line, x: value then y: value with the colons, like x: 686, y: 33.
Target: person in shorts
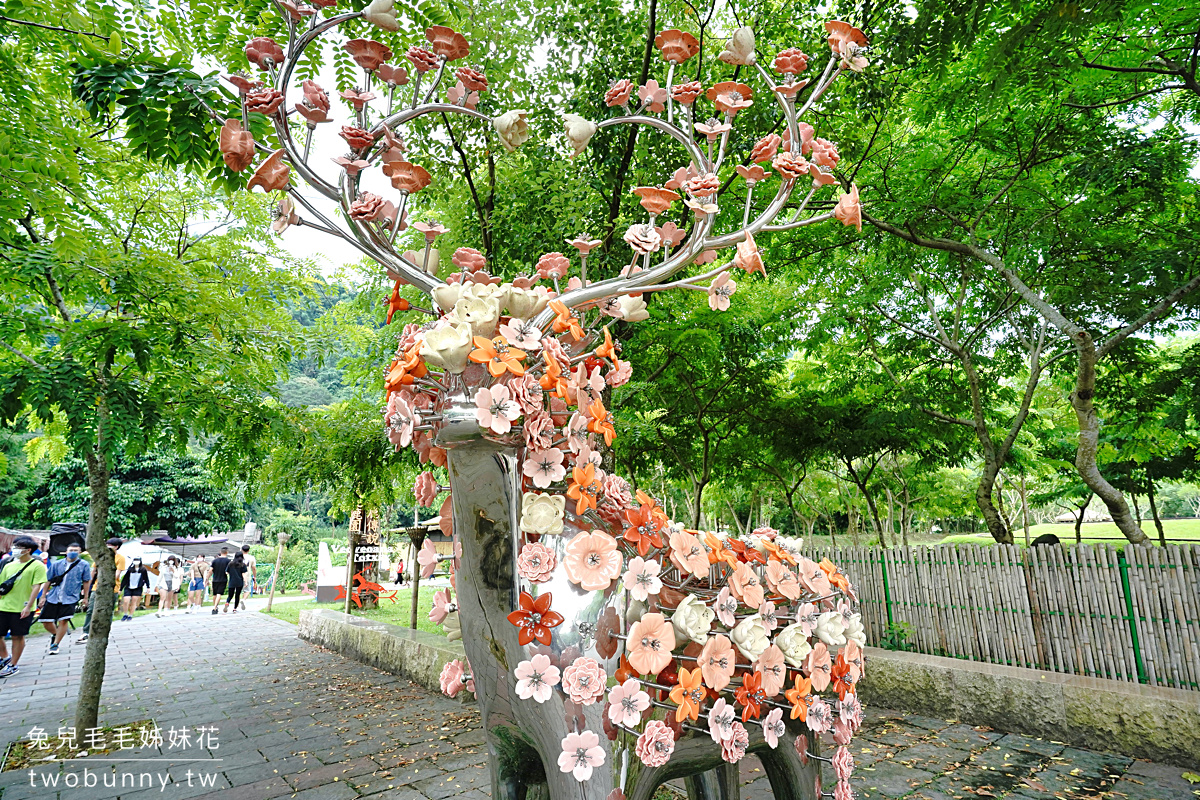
x: 197, y: 578
x: 113, y: 544
x: 28, y: 576
x: 220, y: 577
x: 69, y: 579
x: 134, y: 583
x: 252, y: 569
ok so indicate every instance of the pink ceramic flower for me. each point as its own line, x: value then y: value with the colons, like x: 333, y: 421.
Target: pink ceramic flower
x: 734, y: 748
x: 353, y: 166
x: 813, y: 577
x: 773, y: 727
x: 592, y: 560
x: 850, y: 711
x: 819, y: 667
x: 843, y: 791
x: 824, y: 153
x: 576, y: 430
x: 720, y: 720
x: 400, y: 419
x: 651, y: 640
x: 686, y: 93
x: 262, y: 51
x: 618, y: 94
x: 367, y: 207
x: 392, y: 76
x: 654, y: 747
x: 751, y: 174
x: 584, y: 245
x: 849, y: 210
x: 843, y: 763
x: 774, y: 673
x: 841, y: 732
x: 536, y: 562
x: 688, y: 554
x: 553, y: 265
x: 271, y: 175
x: 356, y: 98
x: 423, y: 59
x: 425, y: 489
x: 730, y: 97
x: 357, y: 138
x: 581, y: 754
x: 806, y: 617
x: 584, y: 681
x: 717, y: 662
x: 545, y: 467
x: 427, y: 557
x: 782, y: 580
x: 820, y: 715
x: 676, y: 46
x: 720, y: 290
x: 447, y: 42
x: 765, y: 148
x: 451, y: 679
x: 791, y: 62
x: 626, y: 702
x: 745, y: 586
x: 237, y: 145
x: 441, y: 606
x: 726, y: 607
x: 536, y: 678
x: 641, y: 578
x: 620, y: 375
x: 472, y: 79
x: 494, y: 409
x: 264, y: 101
x: 654, y: 98
x: 790, y: 165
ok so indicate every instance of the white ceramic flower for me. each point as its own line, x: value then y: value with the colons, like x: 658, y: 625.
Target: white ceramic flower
x: 429, y: 262
x: 740, y: 48
x: 513, y: 128
x: 482, y: 314
x: 750, y: 637
x: 447, y: 295
x: 831, y: 629
x: 579, y: 132
x: 794, y: 644
x: 854, y: 630
x: 447, y: 346
x: 542, y: 513
x: 382, y: 14
x: 641, y: 578
x: 692, y: 620
x: 633, y: 309
x: 453, y: 627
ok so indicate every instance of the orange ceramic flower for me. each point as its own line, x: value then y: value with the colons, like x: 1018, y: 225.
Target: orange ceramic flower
x: 651, y: 640
x: 745, y: 586
x: 644, y: 531
x: 777, y: 553
x: 688, y: 695
x: 564, y: 320
x: 843, y: 32
x: 367, y: 53
x: 404, y: 370
x: 406, y: 177
x: 843, y: 679
x: 498, y: 356
x: 608, y: 349
x: 534, y: 619
x: 396, y: 303
x: 751, y: 695
x: 717, y: 662
x: 552, y: 379
x: 748, y: 257
x: 447, y: 42
x: 849, y: 210
x: 271, y: 175
x: 583, y: 488
x: 676, y: 46
x: 601, y: 422
x: 655, y: 200
x: 799, y: 696
x: 718, y: 552
x: 730, y: 97
x: 237, y: 145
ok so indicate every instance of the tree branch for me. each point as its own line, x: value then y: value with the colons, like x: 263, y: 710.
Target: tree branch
x: 100, y: 36
x: 1156, y: 313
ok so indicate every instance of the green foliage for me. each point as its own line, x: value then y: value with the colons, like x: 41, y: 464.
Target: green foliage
x: 896, y: 636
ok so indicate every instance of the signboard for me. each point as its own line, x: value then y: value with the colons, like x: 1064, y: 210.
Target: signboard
x: 367, y: 544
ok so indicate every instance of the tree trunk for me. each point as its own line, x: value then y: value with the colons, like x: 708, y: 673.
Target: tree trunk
x: 832, y: 530
x: 91, y: 677
x: 1162, y: 536
x: 1137, y: 510
x: 1079, y: 519
x: 1089, y: 440
x: 891, y: 508
x: 697, y: 499
x: 983, y: 498
x: 871, y: 506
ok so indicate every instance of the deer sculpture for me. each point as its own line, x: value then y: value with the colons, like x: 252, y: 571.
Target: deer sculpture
x: 610, y: 648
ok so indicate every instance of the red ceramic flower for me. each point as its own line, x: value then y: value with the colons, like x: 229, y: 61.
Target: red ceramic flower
x: 237, y: 145
x: 262, y: 51
x: 751, y: 695
x: 447, y: 42
x: 618, y: 94
x: 406, y: 177
x: 534, y: 619
x: 271, y: 175
x: 422, y: 58
x: 368, y: 53
x: 676, y: 46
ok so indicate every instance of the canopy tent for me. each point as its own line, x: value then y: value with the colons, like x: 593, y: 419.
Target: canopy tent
x: 188, y: 548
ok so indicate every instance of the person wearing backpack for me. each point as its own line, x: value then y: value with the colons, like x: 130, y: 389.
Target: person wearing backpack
x: 69, y: 579
x: 20, y: 582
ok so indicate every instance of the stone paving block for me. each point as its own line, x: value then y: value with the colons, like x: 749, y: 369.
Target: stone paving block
x: 178, y: 789
x: 454, y: 783
x: 931, y: 756
x: 889, y: 779
x: 928, y: 723
x: 1005, y: 760
x: 394, y: 793
x: 329, y: 773
x: 894, y: 733
x: 1029, y: 744
x: 1132, y: 787
x: 966, y: 736
x: 331, y: 791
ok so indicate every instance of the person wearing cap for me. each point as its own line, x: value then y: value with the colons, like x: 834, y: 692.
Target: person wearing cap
x: 28, y: 576
x: 113, y: 544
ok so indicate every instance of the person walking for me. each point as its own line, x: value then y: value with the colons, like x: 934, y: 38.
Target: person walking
x: 20, y: 582
x: 237, y: 582
x: 69, y: 580
x: 113, y: 544
x: 169, y: 578
x: 220, y: 577
x: 252, y: 568
x: 197, y: 578
x: 134, y: 583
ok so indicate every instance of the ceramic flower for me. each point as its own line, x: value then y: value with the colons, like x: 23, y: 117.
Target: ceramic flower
x: 536, y: 678
x: 842, y: 790
x: 400, y: 420
x: 748, y: 257
x: 425, y: 489
x: 730, y: 97
x: 820, y: 716
x: 734, y: 748
x: 688, y: 694
x: 442, y: 607
x: 497, y: 355
x: 848, y: 210
x: 553, y: 265
x: 272, y: 175
x: 655, y: 745
x: 740, y: 48
x: 725, y: 607
x: 451, y: 679
x: 536, y: 562
x: 579, y: 132
x: 581, y: 754
x: 831, y: 629
x: 643, y: 238
x: 405, y: 176
x: 745, y: 585
x: 626, y: 702
x: 655, y: 200
x: 717, y: 662
x: 423, y: 59
x: 381, y: 14
x: 512, y: 128
x: 641, y: 578
x: 448, y: 346
x: 618, y: 94
x: 692, y: 620
x: 392, y: 76
x: 818, y: 666
x: 770, y: 666
x: 686, y: 93
x: 264, y: 101
x: 534, y: 618
x: 791, y: 62
x: 368, y: 207
x: 584, y: 681
x: 263, y: 51
x: 494, y: 410
x: 824, y: 153
x: 799, y: 697
x: 750, y: 637
x: 720, y: 720
x: 544, y: 467
x: 542, y: 514
x: 653, y: 97
x: 482, y: 314
x: 651, y: 640
x: 855, y: 631
x: 813, y: 577
x: 792, y: 641
x: 773, y: 728
x: 583, y: 489
x: 688, y: 554
x: 447, y: 42
x: 367, y: 53
x: 633, y: 309
x: 769, y: 616
x: 285, y: 216
x: 592, y: 560
x: 712, y: 129
x: 237, y: 145
x: 427, y: 557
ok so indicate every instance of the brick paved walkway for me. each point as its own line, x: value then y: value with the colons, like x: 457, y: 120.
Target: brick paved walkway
x: 295, y: 721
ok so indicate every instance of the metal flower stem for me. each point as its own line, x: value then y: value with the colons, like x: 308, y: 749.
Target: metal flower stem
x: 583, y: 268
x: 399, y: 216
x: 416, y: 90
x: 437, y: 79
x: 670, y: 102
x: 391, y: 97
x: 749, y: 198
x: 308, y: 139
x: 724, y: 141
x: 682, y: 282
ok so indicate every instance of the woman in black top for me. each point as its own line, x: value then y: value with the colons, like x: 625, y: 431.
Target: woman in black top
x: 237, y: 569
x: 134, y: 582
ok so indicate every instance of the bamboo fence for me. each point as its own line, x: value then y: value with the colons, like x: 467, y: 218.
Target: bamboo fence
x: 1084, y: 610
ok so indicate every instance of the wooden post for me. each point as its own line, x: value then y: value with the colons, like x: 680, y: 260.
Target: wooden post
x: 352, y: 529
x: 417, y: 537
x: 283, y: 537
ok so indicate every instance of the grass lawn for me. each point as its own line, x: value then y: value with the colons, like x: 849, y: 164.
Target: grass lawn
x: 1181, y: 530
x: 397, y: 613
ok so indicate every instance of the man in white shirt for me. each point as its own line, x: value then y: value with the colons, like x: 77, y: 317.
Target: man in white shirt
x: 252, y: 568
